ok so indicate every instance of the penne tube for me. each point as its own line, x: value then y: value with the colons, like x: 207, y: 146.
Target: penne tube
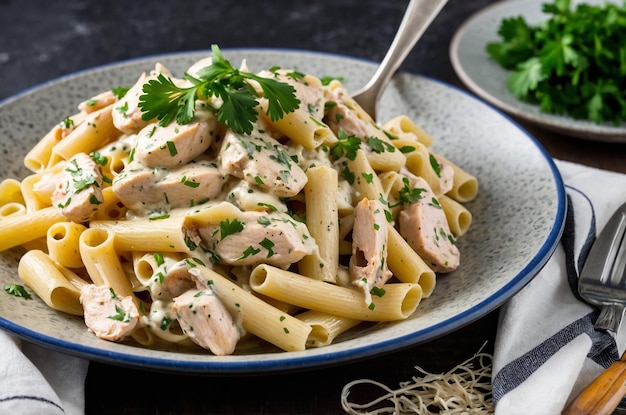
x: 16, y: 230
x: 398, y: 302
x: 366, y: 182
x: 111, y: 208
x: 322, y: 218
x: 11, y: 209
x: 62, y: 240
x: 301, y: 127
x: 465, y: 185
x: 37, y: 159
x: 458, y: 217
x: 33, y: 199
x: 257, y: 316
x: 407, y: 265
x: 11, y: 192
x: 383, y: 156
x: 146, y: 235
x: 404, y: 128
x: 325, y: 327
x: 90, y: 134
x: 45, y: 278
x: 102, y: 262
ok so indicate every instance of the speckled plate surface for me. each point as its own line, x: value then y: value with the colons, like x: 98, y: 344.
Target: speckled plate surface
x: 518, y: 215
x: 487, y: 79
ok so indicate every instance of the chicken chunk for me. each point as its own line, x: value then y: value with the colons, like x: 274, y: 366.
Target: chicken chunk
x: 78, y: 191
x: 308, y: 89
x: 175, y: 145
x: 263, y: 162
x: 142, y: 188
x: 127, y: 116
x: 170, y: 279
x: 256, y: 237
x: 207, y: 322
x: 424, y: 225
x: 368, y: 263
x: 341, y: 117
x: 106, y: 315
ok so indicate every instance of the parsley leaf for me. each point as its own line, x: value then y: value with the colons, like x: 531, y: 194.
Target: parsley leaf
x: 17, y: 290
x: 409, y: 194
x: 164, y: 100
x: 346, y: 145
x: 229, y: 228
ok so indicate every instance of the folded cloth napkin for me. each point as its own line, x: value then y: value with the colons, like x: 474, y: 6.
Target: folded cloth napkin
x: 35, y: 380
x: 546, y: 348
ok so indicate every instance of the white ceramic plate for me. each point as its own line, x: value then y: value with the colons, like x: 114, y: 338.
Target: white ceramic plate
x: 518, y: 215
x: 487, y: 79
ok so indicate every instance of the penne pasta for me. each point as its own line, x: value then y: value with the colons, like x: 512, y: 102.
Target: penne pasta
x: 44, y: 277
x: 459, y: 218
x: 322, y: 217
x: 398, y: 302
x: 63, y: 243
x: 325, y: 327
x: 230, y: 229
x: 465, y: 185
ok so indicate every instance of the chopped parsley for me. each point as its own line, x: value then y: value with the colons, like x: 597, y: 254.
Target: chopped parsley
x: 163, y: 100
x: 346, y: 145
x: 229, y: 228
x: 17, y: 290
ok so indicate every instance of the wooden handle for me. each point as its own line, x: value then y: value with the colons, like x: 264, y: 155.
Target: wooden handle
x: 603, y: 394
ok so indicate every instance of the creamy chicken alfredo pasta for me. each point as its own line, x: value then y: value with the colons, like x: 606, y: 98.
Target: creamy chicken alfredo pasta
x: 226, y: 205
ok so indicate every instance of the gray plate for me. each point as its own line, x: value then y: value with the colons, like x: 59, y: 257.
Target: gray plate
x: 518, y: 215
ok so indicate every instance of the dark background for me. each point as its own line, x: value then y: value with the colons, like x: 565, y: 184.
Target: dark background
x: 42, y: 39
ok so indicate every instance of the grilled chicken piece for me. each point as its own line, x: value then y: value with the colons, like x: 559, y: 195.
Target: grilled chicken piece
x: 78, y: 191
x: 127, y: 116
x: 259, y: 238
x: 263, y: 162
x: 106, y: 315
x: 207, y: 322
x: 139, y: 187
x: 170, y: 279
x: 308, y: 89
x: 341, y: 117
x: 175, y: 145
x: 368, y: 263
x: 423, y: 224
x: 445, y: 177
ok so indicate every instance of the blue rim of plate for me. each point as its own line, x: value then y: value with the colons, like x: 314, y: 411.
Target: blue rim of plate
x: 295, y: 361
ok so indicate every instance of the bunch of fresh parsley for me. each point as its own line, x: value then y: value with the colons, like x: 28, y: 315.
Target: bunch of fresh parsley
x: 574, y: 63
x: 164, y: 100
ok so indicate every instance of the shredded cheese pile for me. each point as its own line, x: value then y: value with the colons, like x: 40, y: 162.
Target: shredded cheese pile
x: 462, y: 390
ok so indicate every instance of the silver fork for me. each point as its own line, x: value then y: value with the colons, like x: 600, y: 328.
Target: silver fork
x: 602, y: 280
x: 417, y: 17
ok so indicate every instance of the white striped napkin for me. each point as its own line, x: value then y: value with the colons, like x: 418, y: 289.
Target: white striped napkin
x: 36, y: 381
x: 546, y: 348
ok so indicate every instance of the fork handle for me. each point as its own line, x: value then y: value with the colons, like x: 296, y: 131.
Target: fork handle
x: 603, y: 394
x: 610, y: 317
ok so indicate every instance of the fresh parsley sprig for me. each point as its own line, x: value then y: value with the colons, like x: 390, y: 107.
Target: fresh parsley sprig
x: 164, y: 100
x: 574, y: 63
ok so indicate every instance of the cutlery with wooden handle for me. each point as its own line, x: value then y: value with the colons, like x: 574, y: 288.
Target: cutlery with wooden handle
x: 602, y: 395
